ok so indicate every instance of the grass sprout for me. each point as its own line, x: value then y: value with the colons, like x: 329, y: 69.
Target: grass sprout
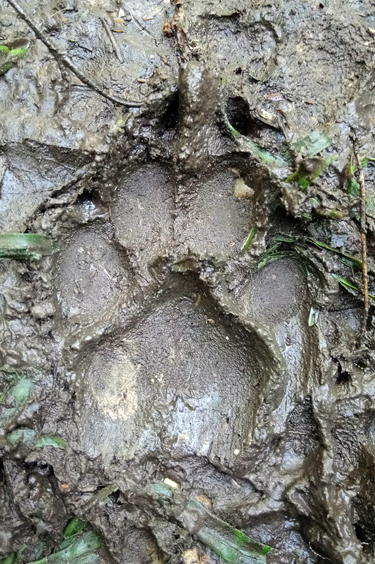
x: 249, y: 239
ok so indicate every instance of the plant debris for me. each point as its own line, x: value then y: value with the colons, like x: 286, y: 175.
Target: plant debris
x: 24, y: 246
x: 363, y: 229
x: 283, y: 246
x: 55, y: 442
x: 23, y: 435
x: 11, y: 53
x: 115, y: 46
x: 73, y: 548
x: 66, y: 61
x: 312, y: 144
x: 227, y: 542
x: 249, y: 239
x: 310, y: 169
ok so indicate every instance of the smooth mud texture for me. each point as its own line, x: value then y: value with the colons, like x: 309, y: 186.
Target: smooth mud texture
x: 214, y: 222
x: 279, y: 291
x: 160, y: 358
x: 177, y: 383
x: 89, y: 277
x: 142, y: 213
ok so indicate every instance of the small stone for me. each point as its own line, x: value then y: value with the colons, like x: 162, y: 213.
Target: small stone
x: 242, y: 190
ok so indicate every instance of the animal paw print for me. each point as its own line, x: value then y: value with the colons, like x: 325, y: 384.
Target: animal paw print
x: 160, y: 363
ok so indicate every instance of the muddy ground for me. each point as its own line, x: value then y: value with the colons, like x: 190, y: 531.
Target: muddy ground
x: 151, y: 345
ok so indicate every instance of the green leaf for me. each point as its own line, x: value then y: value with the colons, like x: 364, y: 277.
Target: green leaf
x: 335, y: 214
x: 268, y: 258
x: 308, y: 171
x: 350, y: 286
x: 11, y: 52
x: 315, y: 203
x: 254, y: 148
x: 24, y: 245
x: 21, y: 390
x: 265, y: 155
x: 345, y: 258
x: 353, y: 167
x: 353, y: 187
x: 22, y: 434
x: 312, y: 144
x: 74, y: 527
x: 55, y: 442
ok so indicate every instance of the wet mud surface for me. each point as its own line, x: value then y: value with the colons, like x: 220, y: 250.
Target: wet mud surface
x: 186, y: 339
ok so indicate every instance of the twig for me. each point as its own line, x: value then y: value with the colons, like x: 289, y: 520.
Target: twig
x: 363, y: 228
x: 65, y: 60
x: 112, y: 40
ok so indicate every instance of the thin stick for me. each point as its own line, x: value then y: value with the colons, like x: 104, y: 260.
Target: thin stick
x: 112, y: 40
x: 140, y: 25
x: 363, y: 227
x: 65, y: 60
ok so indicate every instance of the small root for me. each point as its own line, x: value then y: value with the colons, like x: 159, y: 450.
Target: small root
x: 363, y: 229
x: 112, y: 40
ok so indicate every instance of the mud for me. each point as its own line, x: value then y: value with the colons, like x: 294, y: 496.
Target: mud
x: 151, y: 342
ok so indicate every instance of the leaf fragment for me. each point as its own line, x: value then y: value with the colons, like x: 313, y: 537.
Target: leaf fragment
x: 24, y: 246
x: 11, y: 559
x: 312, y: 144
x: 21, y: 390
x: 310, y: 169
x: 81, y: 546
x: 11, y: 52
x: 74, y: 527
x: 249, y: 239
x: 313, y: 317
x: 23, y: 435
x: 350, y: 286
x: 226, y: 541
x: 55, y: 442
x: 345, y: 258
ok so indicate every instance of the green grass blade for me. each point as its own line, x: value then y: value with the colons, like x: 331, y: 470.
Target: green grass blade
x: 226, y: 541
x: 249, y: 239
x: 265, y: 155
x: 347, y: 259
x: 74, y: 527
x: 24, y: 246
x: 350, y: 286
x: 266, y: 260
x: 304, y: 179
x: 84, y: 544
x: 11, y: 559
x: 254, y: 148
